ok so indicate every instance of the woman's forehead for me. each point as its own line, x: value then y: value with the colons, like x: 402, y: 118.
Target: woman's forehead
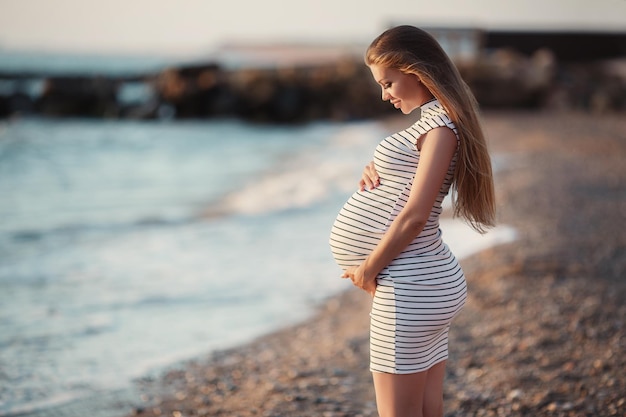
x: 381, y: 72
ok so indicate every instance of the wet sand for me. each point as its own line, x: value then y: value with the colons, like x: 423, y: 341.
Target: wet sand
x: 544, y: 329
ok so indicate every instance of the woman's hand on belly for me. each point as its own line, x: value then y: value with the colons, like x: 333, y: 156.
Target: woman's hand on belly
x: 369, y: 178
x: 357, y: 276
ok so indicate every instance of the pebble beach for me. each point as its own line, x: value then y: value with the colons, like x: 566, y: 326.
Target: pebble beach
x: 543, y: 332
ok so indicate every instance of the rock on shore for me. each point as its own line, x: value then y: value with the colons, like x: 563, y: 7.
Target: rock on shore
x: 544, y: 329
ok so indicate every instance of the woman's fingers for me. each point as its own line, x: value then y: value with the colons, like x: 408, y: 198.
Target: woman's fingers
x: 369, y: 287
x: 349, y: 273
x: 369, y: 178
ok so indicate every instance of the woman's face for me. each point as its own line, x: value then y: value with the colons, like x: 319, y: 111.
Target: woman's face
x: 404, y: 91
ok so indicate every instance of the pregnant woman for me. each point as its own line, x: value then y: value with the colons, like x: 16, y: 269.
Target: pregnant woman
x: 386, y: 237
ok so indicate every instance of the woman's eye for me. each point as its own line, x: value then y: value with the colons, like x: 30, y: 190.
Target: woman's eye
x: 387, y: 85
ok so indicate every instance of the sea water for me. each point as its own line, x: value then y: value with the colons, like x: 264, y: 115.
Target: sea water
x: 126, y: 246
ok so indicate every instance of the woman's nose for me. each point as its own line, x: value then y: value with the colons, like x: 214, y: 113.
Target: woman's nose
x: 385, y: 95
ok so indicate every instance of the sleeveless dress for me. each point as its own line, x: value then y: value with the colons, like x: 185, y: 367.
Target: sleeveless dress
x: 419, y: 292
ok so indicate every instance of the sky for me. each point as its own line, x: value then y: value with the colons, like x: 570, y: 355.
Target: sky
x: 191, y: 27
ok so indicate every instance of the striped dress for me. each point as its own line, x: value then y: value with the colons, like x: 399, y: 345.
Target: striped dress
x: 420, y: 291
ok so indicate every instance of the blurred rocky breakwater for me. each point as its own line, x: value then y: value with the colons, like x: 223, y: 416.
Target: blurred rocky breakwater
x: 341, y: 89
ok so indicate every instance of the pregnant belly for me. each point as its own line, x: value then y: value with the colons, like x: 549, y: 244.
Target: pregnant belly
x: 356, y: 231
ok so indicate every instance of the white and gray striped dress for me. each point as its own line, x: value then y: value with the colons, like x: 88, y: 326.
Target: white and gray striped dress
x: 420, y: 291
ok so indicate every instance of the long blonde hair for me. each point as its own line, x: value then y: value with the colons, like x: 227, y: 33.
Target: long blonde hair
x: 414, y: 51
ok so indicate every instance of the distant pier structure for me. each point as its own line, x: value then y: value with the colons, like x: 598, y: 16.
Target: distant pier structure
x: 463, y: 43
x: 566, y: 45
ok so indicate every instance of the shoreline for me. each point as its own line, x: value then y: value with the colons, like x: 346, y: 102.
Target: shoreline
x: 544, y: 323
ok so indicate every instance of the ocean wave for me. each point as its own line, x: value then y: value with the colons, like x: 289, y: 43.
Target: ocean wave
x: 308, y: 177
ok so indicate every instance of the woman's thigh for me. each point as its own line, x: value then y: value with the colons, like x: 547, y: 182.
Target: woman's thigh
x: 399, y: 395
x: 410, y: 395
x: 433, y: 390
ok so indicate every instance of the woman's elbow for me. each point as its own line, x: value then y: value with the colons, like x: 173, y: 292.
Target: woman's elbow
x: 415, y: 222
